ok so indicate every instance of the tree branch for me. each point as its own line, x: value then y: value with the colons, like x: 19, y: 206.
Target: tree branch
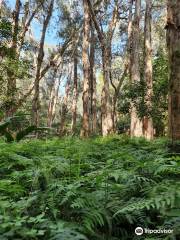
x: 113, y: 22
x: 96, y: 24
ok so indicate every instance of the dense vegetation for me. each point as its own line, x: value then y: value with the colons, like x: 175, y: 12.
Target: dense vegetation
x: 100, y: 188
x: 89, y: 119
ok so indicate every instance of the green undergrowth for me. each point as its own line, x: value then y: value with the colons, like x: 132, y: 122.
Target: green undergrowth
x: 95, y: 189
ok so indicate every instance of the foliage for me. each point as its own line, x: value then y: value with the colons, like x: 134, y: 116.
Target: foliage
x: 19, y: 135
x: 135, y: 94
x: 101, y: 188
x: 160, y: 88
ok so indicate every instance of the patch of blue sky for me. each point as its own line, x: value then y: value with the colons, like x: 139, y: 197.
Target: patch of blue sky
x: 51, y: 36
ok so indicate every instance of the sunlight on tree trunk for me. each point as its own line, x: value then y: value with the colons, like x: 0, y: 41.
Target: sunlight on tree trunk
x: 64, y: 108
x: 92, y: 83
x: 148, y: 130
x: 86, y: 71
x: 54, y: 92
x: 106, y: 101
x: 136, y: 124
x: 75, y: 95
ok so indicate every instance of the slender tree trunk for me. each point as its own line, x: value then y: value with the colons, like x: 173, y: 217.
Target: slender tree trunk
x: 115, y: 97
x: 11, y: 83
x: 26, y: 23
x: 1, y: 6
x: 126, y: 66
x: 75, y: 95
x: 92, y: 83
x: 105, y: 41
x: 50, y: 106
x: 53, y: 99
x: 136, y: 124
x: 36, y: 103
x: 148, y: 130
x: 64, y: 109
x: 86, y: 71
x: 94, y: 107
x: 106, y: 102
x: 173, y: 43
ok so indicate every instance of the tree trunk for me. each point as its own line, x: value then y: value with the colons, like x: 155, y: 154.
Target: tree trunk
x: 36, y: 103
x: 173, y: 43
x: 26, y: 23
x: 136, y: 124
x: 126, y: 66
x: 54, y: 91
x: 75, y: 96
x: 86, y: 71
x: 92, y: 83
x: 64, y: 109
x: 106, y: 103
x: 11, y: 83
x: 105, y: 42
x: 116, y: 93
x: 1, y: 5
x: 50, y: 106
x: 148, y: 130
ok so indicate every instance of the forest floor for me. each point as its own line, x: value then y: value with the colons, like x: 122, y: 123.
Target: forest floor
x: 100, y: 188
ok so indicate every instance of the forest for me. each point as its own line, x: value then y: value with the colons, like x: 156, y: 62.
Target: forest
x: 89, y: 119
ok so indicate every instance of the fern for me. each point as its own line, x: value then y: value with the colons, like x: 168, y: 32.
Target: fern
x: 95, y: 189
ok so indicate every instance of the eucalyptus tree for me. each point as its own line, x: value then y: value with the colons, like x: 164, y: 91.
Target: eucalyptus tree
x: 92, y: 82
x: 173, y: 43
x: 70, y: 15
x: 136, y: 128
x: 75, y: 94
x: 35, y: 103
x: 105, y: 39
x: 86, y: 71
x: 148, y: 130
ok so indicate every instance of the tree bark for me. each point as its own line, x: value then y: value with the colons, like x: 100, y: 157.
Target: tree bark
x: 11, y: 82
x: 26, y: 23
x: 75, y: 95
x: 105, y: 42
x: 36, y: 103
x: 115, y: 97
x: 86, y: 71
x: 106, y: 102
x: 1, y: 6
x: 136, y: 128
x: 64, y: 109
x: 54, y: 91
x: 126, y: 66
x: 148, y: 130
x: 173, y: 43
x: 92, y: 83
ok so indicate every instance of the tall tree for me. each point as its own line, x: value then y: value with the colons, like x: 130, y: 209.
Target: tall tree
x: 54, y: 92
x: 136, y: 128
x: 11, y: 82
x: 64, y: 108
x: 92, y: 83
x: 26, y: 22
x: 148, y: 130
x: 35, y: 103
x: 173, y: 43
x: 126, y: 66
x: 75, y: 94
x: 86, y: 70
x: 105, y: 40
